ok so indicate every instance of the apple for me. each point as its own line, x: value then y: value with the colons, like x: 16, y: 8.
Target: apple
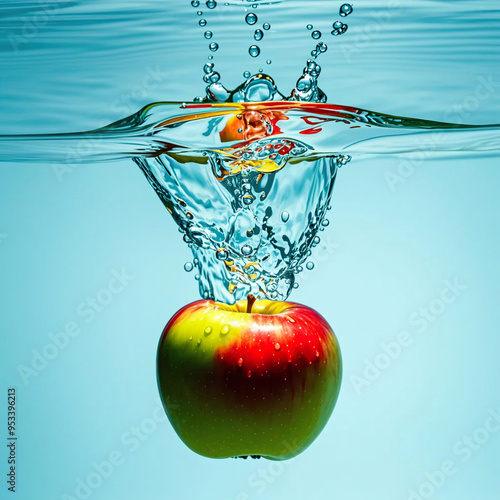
x: 257, y: 378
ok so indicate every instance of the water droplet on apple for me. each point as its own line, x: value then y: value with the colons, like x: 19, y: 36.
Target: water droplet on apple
x: 225, y: 330
x: 317, y: 354
x: 290, y: 358
x: 199, y: 341
x: 240, y: 362
x: 191, y: 338
x: 277, y: 346
x: 208, y: 330
x: 249, y: 373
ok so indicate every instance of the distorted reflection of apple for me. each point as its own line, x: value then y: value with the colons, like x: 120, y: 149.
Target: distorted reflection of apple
x: 257, y: 378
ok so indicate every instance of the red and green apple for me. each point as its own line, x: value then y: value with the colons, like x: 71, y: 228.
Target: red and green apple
x: 250, y: 379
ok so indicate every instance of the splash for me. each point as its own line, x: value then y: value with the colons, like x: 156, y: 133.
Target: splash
x: 248, y: 173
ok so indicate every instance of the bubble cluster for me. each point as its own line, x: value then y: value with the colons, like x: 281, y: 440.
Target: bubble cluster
x: 339, y: 28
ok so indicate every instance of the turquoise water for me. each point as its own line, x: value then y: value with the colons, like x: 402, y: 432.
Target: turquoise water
x: 85, y: 240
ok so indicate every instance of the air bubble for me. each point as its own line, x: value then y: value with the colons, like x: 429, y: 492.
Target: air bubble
x: 213, y: 46
x: 211, y: 4
x: 251, y: 18
x: 316, y: 34
x: 246, y: 74
x: 188, y: 266
x: 246, y: 249
x: 221, y: 254
x: 295, y: 285
x: 208, y: 35
x: 345, y: 9
x: 258, y: 35
x: 285, y: 216
x: 325, y: 222
x: 310, y: 265
x: 266, y: 26
x: 196, y: 277
x: 254, y: 50
x: 316, y: 240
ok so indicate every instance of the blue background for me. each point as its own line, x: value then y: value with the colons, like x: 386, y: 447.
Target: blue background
x: 386, y: 255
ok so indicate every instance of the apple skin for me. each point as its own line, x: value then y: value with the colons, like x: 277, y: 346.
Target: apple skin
x: 237, y: 384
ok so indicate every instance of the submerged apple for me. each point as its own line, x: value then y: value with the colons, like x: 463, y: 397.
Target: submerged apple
x: 249, y: 379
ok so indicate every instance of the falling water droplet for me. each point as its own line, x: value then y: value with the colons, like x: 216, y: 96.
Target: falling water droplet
x: 195, y: 3
x: 310, y: 265
x: 213, y: 46
x: 211, y: 4
x: 309, y: 26
x: 266, y: 26
x: 268, y: 61
x: 196, y: 276
x: 316, y: 240
x: 251, y: 18
x: 285, y: 216
x: 345, y: 9
x: 202, y: 22
x: 208, y: 35
x: 188, y: 266
x: 337, y: 25
x: 295, y: 285
x: 258, y: 35
x: 247, y: 199
x: 316, y: 34
x: 247, y: 74
x: 254, y: 50
x: 325, y: 222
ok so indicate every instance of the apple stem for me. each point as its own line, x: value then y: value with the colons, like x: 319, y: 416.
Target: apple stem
x: 250, y: 302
